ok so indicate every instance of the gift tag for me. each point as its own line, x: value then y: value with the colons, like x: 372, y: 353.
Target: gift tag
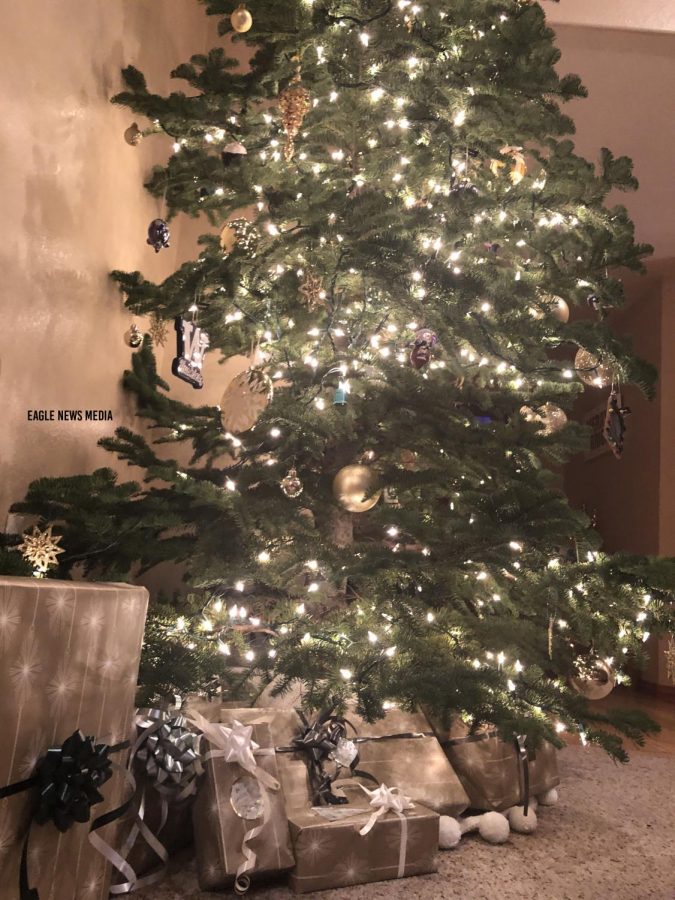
x: 247, y: 798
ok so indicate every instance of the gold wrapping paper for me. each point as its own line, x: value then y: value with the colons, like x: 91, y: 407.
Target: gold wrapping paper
x: 492, y: 773
x: 69, y: 656
x: 284, y: 724
x: 219, y: 832
x: 331, y: 853
x: 417, y: 765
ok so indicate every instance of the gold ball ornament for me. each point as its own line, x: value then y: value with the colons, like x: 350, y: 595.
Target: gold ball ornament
x: 549, y: 416
x: 241, y: 19
x: 559, y: 309
x: 355, y: 488
x: 591, y: 370
x: 244, y: 399
x: 597, y: 683
x: 133, y: 337
x: 133, y: 135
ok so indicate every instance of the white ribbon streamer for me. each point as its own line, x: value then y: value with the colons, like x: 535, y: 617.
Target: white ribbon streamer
x: 385, y: 800
x: 235, y: 744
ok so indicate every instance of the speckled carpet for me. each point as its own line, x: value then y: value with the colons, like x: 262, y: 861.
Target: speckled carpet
x: 611, y: 837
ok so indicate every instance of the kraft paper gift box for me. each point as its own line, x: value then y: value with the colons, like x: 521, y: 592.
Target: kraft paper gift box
x: 224, y: 839
x: 416, y: 764
x: 493, y: 771
x: 285, y: 725
x: 69, y: 658
x: 330, y: 852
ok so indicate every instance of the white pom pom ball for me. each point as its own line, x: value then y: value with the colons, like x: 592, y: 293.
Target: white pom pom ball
x: 523, y: 824
x: 494, y: 828
x: 550, y: 798
x: 449, y: 833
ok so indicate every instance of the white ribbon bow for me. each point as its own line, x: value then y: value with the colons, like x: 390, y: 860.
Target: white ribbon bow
x: 385, y: 800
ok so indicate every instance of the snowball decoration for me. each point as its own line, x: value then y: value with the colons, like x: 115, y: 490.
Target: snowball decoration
x: 521, y: 823
x: 449, y: 833
x: 550, y: 798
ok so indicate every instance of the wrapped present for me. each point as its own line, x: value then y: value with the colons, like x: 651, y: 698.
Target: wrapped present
x: 499, y: 774
x: 240, y: 823
x: 402, y: 749
x: 69, y: 657
x: 371, y: 838
x: 165, y: 763
x: 285, y: 725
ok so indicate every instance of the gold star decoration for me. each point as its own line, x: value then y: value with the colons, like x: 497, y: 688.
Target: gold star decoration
x: 312, y: 290
x: 41, y: 548
x: 669, y: 654
x: 157, y: 331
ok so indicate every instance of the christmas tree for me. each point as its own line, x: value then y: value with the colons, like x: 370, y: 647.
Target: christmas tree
x: 399, y: 226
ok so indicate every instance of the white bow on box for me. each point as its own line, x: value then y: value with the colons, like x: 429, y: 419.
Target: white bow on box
x: 235, y: 744
x: 385, y: 800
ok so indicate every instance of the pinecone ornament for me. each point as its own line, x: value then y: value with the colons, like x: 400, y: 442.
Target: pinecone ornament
x: 294, y: 102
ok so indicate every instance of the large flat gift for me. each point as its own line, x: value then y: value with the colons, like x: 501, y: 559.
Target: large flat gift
x: 402, y: 749
x: 69, y: 657
x: 498, y: 774
x: 240, y: 824
x: 337, y: 846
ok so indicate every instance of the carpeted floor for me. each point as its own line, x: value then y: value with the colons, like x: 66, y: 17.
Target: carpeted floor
x: 611, y: 837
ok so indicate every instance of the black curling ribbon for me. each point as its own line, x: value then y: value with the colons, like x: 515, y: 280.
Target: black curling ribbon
x: 68, y: 778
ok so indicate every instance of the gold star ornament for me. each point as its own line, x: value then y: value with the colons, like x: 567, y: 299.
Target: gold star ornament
x: 41, y: 548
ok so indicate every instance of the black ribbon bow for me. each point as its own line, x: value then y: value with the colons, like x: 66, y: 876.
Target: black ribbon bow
x: 69, y: 778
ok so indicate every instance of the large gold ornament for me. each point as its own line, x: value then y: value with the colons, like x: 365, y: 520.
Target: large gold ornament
x: 294, y: 102
x: 355, y: 488
x: 559, y: 309
x: 595, y: 682
x: 591, y: 370
x: 41, y: 548
x: 549, y: 416
x: 241, y: 19
x: 244, y: 399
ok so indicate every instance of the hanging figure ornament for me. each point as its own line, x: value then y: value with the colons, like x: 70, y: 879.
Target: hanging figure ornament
x: 133, y: 337
x: 241, y: 19
x: 291, y: 484
x: 294, y: 103
x: 425, y: 340
x: 615, y: 425
x: 591, y: 370
x: 158, y: 234
x: 355, y: 488
x: 192, y: 343
x: 244, y: 399
x: 594, y: 682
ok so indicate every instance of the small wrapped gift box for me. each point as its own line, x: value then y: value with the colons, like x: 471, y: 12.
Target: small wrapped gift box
x: 402, y: 749
x: 362, y: 842
x: 240, y: 824
x: 499, y: 774
x: 284, y: 726
x: 69, y: 657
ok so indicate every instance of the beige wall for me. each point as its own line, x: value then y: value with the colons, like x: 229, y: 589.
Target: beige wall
x: 73, y: 209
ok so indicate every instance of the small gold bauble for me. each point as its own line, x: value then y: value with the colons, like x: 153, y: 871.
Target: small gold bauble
x: 559, y: 309
x: 133, y: 337
x: 353, y: 488
x: 241, y: 19
x: 598, y: 684
x: 246, y: 396
x: 133, y: 135
x: 549, y: 416
x: 591, y: 370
